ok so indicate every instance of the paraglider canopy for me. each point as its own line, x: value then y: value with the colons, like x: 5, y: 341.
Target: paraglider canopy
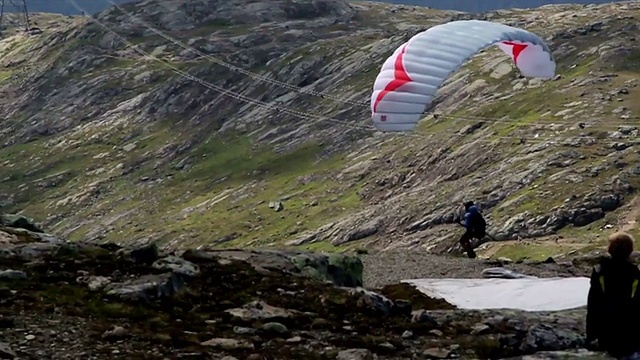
x: 411, y: 76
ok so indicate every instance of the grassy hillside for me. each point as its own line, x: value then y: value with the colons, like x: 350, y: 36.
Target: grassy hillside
x: 101, y: 143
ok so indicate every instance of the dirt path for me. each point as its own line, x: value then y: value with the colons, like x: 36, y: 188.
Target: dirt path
x: 393, y: 266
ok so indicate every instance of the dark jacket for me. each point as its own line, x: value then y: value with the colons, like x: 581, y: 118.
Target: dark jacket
x: 474, y: 222
x: 470, y: 217
x: 613, y: 307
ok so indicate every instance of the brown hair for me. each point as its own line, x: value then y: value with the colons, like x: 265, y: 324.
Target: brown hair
x: 620, y: 245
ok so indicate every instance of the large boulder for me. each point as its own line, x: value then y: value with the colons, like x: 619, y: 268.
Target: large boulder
x: 19, y: 222
x: 340, y: 269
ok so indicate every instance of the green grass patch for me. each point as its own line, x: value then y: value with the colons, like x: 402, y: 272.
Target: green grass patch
x: 531, y: 251
x: 225, y: 190
x: 5, y: 75
x: 630, y: 63
x: 81, y: 298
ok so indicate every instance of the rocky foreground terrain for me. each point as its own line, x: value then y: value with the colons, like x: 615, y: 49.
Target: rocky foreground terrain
x: 74, y: 300
x: 101, y: 143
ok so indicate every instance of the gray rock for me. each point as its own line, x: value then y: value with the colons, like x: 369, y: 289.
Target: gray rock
x: 147, y: 287
x: 374, y: 301
x: 341, y: 269
x: 259, y: 310
x: 480, y: 329
x: 115, y: 332
x: 436, y: 353
x: 94, y: 283
x: 277, y: 206
x: 424, y: 317
x: 367, y: 229
x: 12, y: 274
x: 502, y: 273
x: 355, y: 354
x: 177, y: 265
x: 275, y: 328
x: 228, y: 344
x: 35, y: 250
x: 19, y: 222
x: 244, y: 330
x: 581, y: 354
x: 543, y: 337
x: 6, y: 352
x: 147, y: 254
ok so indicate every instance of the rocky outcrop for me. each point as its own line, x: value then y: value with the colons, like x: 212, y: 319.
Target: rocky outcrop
x: 135, y: 302
x: 19, y: 222
x: 340, y: 269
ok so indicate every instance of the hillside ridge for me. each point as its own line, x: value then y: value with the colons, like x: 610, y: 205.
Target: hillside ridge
x: 104, y: 144
x: 92, y: 7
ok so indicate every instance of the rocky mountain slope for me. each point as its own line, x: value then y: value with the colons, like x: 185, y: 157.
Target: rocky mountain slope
x: 101, y: 143
x: 92, y: 6
x: 482, y: 6
x: 60, y: 6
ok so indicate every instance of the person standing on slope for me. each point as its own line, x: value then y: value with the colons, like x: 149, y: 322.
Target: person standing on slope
x: 475, y: 226
x: 613, y: 303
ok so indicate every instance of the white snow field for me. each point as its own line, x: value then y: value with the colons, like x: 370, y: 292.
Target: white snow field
x: 523, y: 293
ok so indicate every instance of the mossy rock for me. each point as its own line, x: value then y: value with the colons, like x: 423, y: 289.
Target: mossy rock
x: 20, y: 222
x: 340, y: 269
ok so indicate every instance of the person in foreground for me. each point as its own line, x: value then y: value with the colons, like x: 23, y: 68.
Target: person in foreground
x: 475, y: 226
x: 613, y: 303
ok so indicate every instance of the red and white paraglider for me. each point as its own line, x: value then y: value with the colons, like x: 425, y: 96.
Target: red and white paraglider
x: 410, y: 77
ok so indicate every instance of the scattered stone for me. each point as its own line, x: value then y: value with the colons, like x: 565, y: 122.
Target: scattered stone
x: 369, y: 300
x: 177, y: 265
x: 147, y: 254
x: 98, y: 282
x: 259, y: 310
x: 115, y: 333
x: 436, y: 353
x: 147, y: 287
x: 355, y: 354
x: 502, y: 273
x: 19, y: 222
x: 275, y: 327
x: 12, y: 274
x: 480, y: 329
x: 277, y: 206
x: 228, y: 344
x: 6, y: 352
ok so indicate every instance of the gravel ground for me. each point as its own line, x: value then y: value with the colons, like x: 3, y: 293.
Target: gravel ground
x: 391, y: 267
x: 34, y: 335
